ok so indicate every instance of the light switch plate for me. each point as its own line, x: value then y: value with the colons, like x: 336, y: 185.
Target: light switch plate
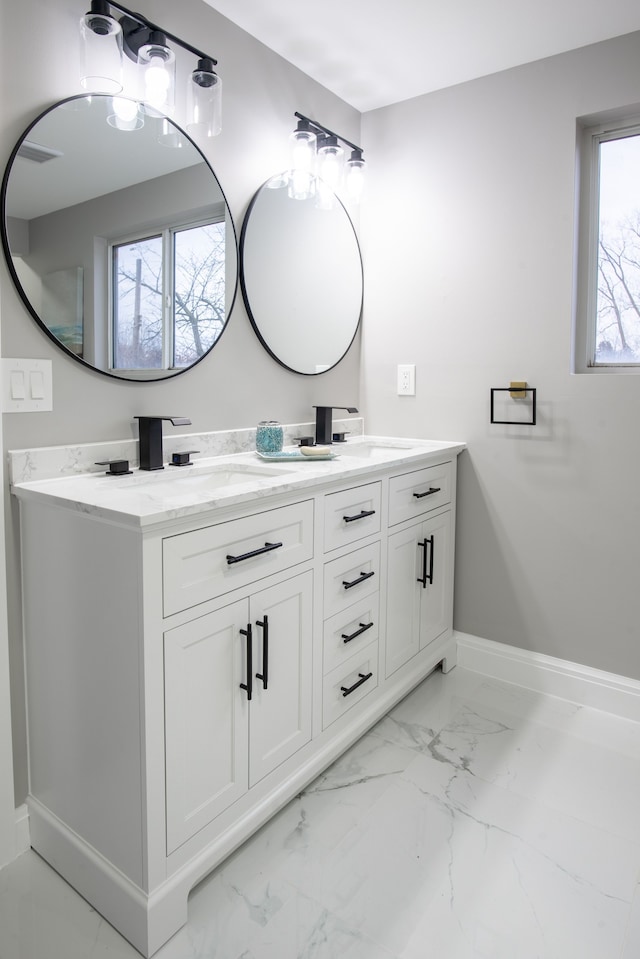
x: 27, y: 386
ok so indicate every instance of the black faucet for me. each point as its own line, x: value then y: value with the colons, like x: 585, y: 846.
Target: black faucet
x: 324, y: 429
x: 150, y: 431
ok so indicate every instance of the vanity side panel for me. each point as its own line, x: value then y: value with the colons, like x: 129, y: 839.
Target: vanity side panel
x: 82, y: 646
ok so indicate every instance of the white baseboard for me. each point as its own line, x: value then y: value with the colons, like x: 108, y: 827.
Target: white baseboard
x: 22, y: 833
x: 546, y: 674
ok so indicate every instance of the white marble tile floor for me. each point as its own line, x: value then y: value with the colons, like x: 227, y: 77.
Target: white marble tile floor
x: 478, y: 820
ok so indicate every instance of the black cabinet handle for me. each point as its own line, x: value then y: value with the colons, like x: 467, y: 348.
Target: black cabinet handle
x: 427, y: 577
x: 264, y: 675
x: 361, y: 515
x: 346, y: 690
x: 249, y: 683
x: 429, y: 492
x: 363, y: 628
x: 267, y: 548
x: 361, y: 578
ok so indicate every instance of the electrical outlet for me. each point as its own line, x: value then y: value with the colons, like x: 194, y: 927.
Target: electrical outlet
x: 406, y: 379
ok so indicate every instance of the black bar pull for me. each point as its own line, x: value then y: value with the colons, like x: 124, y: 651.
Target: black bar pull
x: 267, y: 548
x: 264, y: 675
x: 361, y: 515
x: 248, y: 686
x: 427, y: 577
x: 363, y: 628
x: 361, y: 578
x: 346, y: 690
x: 429, y: 492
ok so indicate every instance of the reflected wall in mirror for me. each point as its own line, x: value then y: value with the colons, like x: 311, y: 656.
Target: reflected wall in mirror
x: 119, y: 240
x: 301, y: 278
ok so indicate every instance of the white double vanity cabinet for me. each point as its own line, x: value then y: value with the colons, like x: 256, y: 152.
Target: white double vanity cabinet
x: 201, y: 643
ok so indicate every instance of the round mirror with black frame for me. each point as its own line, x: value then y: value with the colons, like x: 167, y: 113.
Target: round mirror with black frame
x: 301, y: 276
x: 118, y: 238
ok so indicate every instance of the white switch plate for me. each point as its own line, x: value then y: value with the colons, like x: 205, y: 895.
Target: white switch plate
x: 27, y: 386
x: 406, y: 379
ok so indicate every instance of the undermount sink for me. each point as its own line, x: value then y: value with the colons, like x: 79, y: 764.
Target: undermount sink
x: 372, y: 449
x: 192, y: 479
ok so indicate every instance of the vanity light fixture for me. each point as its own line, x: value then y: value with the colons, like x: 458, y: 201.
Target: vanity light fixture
x: 318, y: 150
x: 105, y: 38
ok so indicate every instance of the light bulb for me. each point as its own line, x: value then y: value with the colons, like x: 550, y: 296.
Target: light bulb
x: 303, y: 158
x: 354, y: 176
x: 158, y: 63
x: 330, y: 161
x: 126, y: 114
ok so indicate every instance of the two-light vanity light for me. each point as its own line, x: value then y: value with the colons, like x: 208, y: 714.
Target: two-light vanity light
x: 146, y: 77
x: 318, y: 164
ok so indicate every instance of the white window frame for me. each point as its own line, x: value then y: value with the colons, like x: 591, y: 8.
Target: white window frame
x: 166, y: 232
x: 591, y: 132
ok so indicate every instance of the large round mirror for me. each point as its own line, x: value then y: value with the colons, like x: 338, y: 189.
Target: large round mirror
x: 118, y: 238
x: 301, y: 277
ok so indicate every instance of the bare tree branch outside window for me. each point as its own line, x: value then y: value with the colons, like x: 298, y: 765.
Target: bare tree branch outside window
x: 168, y: 320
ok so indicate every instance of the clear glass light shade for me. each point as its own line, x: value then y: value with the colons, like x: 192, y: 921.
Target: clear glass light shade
x: 303, y: 159
x: 158, y: 65
x: 330, y: 156
x: 100, y: 54
x: 204, y: 101
x: 125, y: 114
x: 354, y: 177
x: 302, y: 185
x: 170, y: 135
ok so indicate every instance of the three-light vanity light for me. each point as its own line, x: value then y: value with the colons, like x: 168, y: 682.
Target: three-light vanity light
x: 318, y: 164
x: 143, y: 82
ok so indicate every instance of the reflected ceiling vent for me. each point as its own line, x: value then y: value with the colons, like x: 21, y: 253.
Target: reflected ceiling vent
x: 36, y: 152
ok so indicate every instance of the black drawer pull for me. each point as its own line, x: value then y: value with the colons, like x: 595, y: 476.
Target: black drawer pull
x: 248, y: 686
x: 363, y: 628
x: 264, y: 675
x: 361, y: 578
x: 429, y: 492
x: 427, y: 577
x: 254, y: 552
x: 351, y: 689
x: 361, y: 515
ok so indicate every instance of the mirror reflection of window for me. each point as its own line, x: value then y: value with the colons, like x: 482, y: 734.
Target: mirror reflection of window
x: 168, y: 297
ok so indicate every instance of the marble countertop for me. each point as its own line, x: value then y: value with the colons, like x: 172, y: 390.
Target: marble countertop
x: 144, y: 499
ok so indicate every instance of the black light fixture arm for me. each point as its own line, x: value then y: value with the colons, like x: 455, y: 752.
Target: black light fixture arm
x: 154, y: 28
x: 327, y: 131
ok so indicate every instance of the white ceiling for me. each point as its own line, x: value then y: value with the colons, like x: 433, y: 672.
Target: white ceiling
x: 375, y: 52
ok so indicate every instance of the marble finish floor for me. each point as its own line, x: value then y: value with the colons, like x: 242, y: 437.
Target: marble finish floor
x: 478, y: 820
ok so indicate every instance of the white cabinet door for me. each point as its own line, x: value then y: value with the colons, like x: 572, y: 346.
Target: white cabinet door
x: 206, y: 719
x: 280, y: 709
x: 419, y: 586
x: 436, y: 578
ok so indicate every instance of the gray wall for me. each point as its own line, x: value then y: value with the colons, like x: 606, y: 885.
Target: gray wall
x: 238, y: 384
x: 468, y: 246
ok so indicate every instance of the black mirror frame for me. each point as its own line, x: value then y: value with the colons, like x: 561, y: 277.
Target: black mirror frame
x: 23, y: 296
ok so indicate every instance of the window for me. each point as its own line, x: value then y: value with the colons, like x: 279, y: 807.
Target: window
x: 167, y: 296
x: 608, y: 304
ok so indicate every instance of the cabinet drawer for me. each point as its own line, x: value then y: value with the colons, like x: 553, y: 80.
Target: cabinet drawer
x: 350, y: 578
x: 348, y: 685
x: 349, y: 631
x: 206, y: 563
x: 419, y: 492
x: 351, y: 515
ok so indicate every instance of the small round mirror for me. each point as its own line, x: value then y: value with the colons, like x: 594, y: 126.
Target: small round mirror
x: 118, y: 238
